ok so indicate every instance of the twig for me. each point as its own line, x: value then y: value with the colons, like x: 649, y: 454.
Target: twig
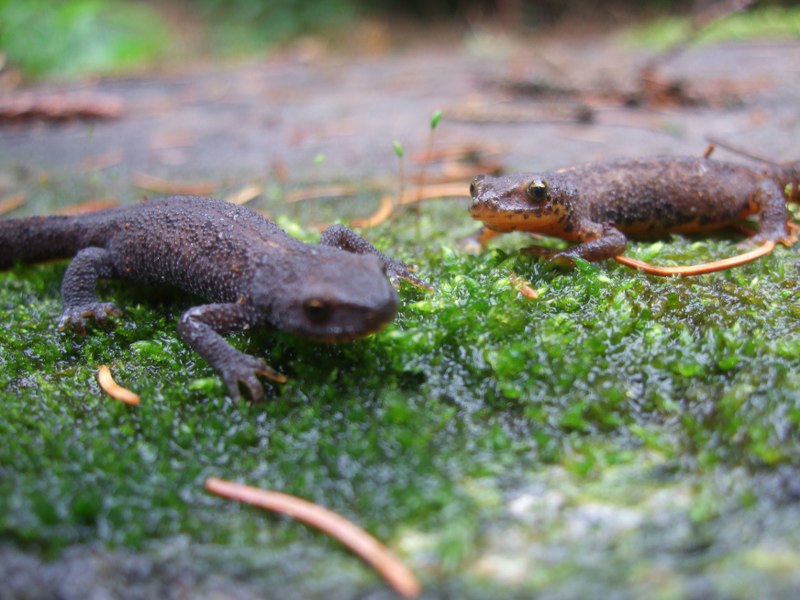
x: 740, y: 151
x: 702, y: 21
x: 60, y: 106
x: 359, y: 541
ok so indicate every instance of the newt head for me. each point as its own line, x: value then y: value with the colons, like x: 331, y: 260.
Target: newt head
x: 334, y: 297
x: 521, y: 202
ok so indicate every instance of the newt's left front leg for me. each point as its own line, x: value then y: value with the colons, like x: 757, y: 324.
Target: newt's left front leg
x: 201, y: 327
x: 612, y: 242
x: 78, y: 290
x: 346, y: 239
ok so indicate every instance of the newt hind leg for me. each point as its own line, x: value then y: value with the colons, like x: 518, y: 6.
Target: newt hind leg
x: 773, y: 227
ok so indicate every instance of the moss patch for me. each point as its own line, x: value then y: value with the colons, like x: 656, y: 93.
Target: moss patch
x: 612, y: 433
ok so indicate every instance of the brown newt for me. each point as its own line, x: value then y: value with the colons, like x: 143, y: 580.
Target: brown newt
x: 250, y: 272
x: 599, y: 204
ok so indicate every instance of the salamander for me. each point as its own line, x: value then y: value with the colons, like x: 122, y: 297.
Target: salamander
x: 250, y: 271
x: 599, y: 205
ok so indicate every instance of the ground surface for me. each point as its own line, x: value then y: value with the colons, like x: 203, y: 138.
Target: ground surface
x: 621, y: 436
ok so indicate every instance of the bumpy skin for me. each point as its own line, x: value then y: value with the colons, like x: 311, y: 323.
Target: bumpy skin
x: 251, y: 272
x: 599, y: 204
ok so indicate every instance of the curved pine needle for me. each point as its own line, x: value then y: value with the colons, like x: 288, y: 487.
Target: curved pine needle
x: 164, y: 186
x: 89, y: 206
x: 113, y: 389
x: 444, y: 190
x: 359, y: 541
x: 384, y: 211
x: 10, y: 203
x: 701, y: 269
x: 245, y: 195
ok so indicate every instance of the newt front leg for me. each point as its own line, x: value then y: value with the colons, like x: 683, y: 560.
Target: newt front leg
x: 201, y: 327
x: 78, y: 290
x: 343, y: 238
x: 612, y: 242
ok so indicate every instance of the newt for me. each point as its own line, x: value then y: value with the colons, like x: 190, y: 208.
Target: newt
x: 248, y: 269
x: 599, y: 205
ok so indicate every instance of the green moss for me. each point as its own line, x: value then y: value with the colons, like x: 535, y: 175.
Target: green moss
x: 765, y: 21
x: 78, y: 37
x: 614, y: 390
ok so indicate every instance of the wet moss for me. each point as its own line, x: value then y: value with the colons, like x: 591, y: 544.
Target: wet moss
x: 611, y: 396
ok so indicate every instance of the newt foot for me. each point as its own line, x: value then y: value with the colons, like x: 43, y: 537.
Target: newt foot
x: 560, y: 257
x: 243, y: 375
x: 75, y: 317
x: 397, y: 270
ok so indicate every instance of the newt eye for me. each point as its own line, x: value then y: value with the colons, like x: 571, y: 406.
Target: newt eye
x: 472, y: 189
x: 537, y: 190
x: 317, y: 311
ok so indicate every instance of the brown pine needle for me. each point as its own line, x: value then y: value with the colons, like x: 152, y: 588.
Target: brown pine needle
x: 331, y: 191
x: 245, y: 195
x: 384, y: 211
x: 103, y: 161
x: 523, y: 287
x: 163, y: 186
x: 702, y: 269
x: 113, y: 389
x: 10, y: 203
x: 363, y: 544
x: 89, y: 206
x: 446, y: 190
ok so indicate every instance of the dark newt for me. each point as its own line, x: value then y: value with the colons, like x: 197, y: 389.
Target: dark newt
x: 252, y: 272
x: 598, y: 205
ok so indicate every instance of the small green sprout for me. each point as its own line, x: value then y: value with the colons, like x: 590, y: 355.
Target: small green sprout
x: 437, y: 116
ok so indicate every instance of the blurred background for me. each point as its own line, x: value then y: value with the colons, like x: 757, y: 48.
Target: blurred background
x: 100, y: 96
x: 68, y: 38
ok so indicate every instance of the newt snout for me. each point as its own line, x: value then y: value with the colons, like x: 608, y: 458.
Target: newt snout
x: 513, y: 204
x: 482, y: 196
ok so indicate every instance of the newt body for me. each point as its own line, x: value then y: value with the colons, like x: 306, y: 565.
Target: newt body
x: 598, y: 205
x: 250, y: 270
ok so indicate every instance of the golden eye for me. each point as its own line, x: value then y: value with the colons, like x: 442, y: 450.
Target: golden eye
x: 537, y: 190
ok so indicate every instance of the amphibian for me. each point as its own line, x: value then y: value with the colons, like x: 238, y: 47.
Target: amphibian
x: 251, y: 272
x: 598, y: 205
